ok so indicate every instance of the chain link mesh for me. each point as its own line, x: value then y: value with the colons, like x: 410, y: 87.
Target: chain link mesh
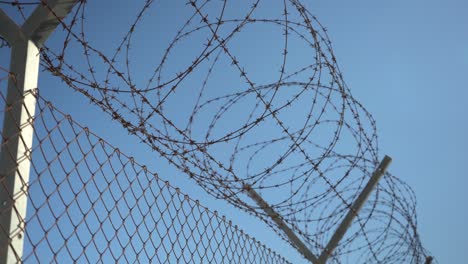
x: 89, y: 202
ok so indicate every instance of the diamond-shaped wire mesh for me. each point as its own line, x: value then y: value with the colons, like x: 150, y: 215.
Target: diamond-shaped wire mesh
x: 88, y: 202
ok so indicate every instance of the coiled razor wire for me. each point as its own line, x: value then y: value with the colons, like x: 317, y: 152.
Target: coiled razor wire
x: 243, y: 92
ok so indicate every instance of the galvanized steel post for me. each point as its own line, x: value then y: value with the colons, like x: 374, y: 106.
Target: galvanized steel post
x: 17, y: 133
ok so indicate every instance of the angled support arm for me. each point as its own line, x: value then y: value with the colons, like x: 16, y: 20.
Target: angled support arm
x: 278, y: 220
x: 342, y: 228
x: 45, y: 19
x: 9, y: 30
x: 354, y: 210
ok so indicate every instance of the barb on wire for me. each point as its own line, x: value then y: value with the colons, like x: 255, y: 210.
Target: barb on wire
x: 245, y: 94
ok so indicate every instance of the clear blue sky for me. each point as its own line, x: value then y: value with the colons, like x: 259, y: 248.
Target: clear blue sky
x: 407, y: 62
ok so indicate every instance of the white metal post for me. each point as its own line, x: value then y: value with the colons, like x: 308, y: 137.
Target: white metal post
x: 17, y: 133
x: 17, y: 141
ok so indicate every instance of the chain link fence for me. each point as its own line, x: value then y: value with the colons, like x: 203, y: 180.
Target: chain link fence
x: 89, y: 202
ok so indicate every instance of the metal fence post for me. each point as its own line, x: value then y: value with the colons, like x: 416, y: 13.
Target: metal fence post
x: 17, y: 141
x: 17, y: 133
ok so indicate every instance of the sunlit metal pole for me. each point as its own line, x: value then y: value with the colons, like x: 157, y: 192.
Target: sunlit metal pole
x: 17, y: 133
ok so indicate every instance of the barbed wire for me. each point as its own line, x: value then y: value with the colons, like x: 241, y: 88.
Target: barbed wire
x: 247, y: 94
